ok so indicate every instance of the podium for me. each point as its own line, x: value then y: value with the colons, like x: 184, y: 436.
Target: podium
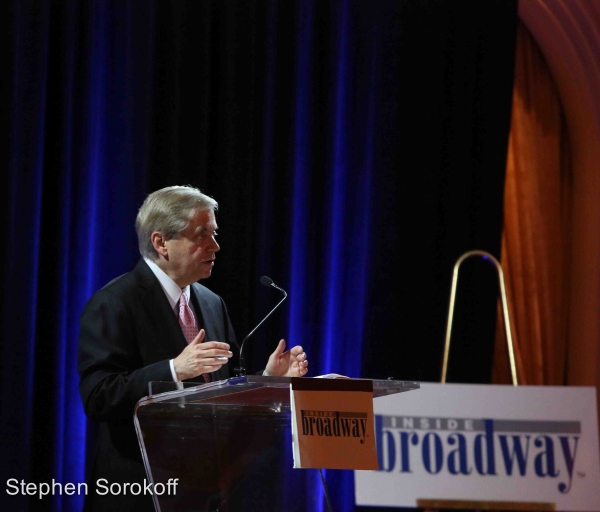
x: 227, y: 445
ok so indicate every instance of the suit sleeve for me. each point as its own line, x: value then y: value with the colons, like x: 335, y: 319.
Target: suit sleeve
x: 112, y: 378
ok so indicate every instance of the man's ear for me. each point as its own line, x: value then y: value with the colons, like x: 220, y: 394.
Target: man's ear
x: 158, y: 242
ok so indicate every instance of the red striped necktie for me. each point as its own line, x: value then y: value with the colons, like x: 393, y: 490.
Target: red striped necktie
x: 188, y: 323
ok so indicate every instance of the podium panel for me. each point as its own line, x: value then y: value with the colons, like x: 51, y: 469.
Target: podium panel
x: 226, y: 446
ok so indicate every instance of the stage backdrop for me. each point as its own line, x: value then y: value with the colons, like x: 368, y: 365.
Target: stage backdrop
x: 356, y: 149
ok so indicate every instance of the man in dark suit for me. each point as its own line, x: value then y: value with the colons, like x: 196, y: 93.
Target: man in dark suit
x: 156, y: 323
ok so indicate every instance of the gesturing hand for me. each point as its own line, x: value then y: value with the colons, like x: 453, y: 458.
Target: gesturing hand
x: 292, y: 363
x: 198, y: 357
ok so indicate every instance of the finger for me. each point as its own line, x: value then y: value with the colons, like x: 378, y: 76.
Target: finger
x: 280, y: 348
x: 210, y: 365
x: 222, y: 355
x: 220, y: 352
x: 209, y: 345
x: 199, y: 337
x: 297, y: 350
x: 303, y: 366
x: 209, y: 356
x: 301, y: 356
x: 208, y: 351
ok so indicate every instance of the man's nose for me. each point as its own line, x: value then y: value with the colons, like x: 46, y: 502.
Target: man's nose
x: 216, y: 247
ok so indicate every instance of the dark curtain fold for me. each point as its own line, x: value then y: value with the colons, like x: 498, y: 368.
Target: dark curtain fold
x: 356, y: 148
x: 77, y: 133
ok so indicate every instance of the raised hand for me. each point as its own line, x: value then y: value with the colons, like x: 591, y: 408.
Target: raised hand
x: 198, y: 357
x: 292, y: 363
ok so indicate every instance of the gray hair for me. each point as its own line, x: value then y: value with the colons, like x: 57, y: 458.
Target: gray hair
x: 169, y: 211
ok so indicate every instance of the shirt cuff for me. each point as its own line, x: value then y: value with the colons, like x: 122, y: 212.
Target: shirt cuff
x: 173, y: 372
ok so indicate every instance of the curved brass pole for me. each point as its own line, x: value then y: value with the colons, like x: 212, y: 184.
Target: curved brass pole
x: 511, y: 355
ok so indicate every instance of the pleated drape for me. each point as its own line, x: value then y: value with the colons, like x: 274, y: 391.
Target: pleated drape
x: 537, y: 224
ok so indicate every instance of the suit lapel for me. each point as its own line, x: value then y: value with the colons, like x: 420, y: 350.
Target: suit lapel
x: 207, y: 316
x: 210, y: 318
x: 157, y: 307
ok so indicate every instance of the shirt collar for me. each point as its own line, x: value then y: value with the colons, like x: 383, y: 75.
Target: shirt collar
x: 170, y: 287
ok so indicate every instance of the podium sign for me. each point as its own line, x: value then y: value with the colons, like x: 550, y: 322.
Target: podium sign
x: 526, y: 446
x: 333, y: 424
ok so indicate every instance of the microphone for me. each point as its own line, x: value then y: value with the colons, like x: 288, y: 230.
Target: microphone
x: 265, y: 281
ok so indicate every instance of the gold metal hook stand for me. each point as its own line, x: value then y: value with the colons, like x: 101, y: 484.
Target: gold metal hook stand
x: 507, y: 326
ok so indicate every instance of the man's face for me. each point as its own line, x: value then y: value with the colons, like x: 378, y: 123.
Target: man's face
x: 191, y: 257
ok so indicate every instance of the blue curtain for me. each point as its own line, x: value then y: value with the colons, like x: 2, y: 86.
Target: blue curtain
x: 77, y: 138
x: 356, y: 150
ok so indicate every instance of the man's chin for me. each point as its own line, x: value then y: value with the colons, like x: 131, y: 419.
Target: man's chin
x: 205, y: 275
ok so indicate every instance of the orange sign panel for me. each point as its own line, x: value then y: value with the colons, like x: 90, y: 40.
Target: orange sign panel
x: 332, y: 424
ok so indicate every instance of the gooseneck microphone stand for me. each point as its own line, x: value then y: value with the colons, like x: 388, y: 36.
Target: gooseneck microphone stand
x: 265, y: 281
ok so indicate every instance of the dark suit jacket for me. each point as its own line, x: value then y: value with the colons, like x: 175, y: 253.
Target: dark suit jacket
x: 127, y: 336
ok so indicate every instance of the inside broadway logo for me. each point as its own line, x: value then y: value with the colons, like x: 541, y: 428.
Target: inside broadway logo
x: 460, y: 446
x: 334, y: 424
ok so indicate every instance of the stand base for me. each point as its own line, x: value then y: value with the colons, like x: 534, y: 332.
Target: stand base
x: 485, y: 505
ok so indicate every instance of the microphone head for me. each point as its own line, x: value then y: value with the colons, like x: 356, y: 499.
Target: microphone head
x: 266, y: 281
